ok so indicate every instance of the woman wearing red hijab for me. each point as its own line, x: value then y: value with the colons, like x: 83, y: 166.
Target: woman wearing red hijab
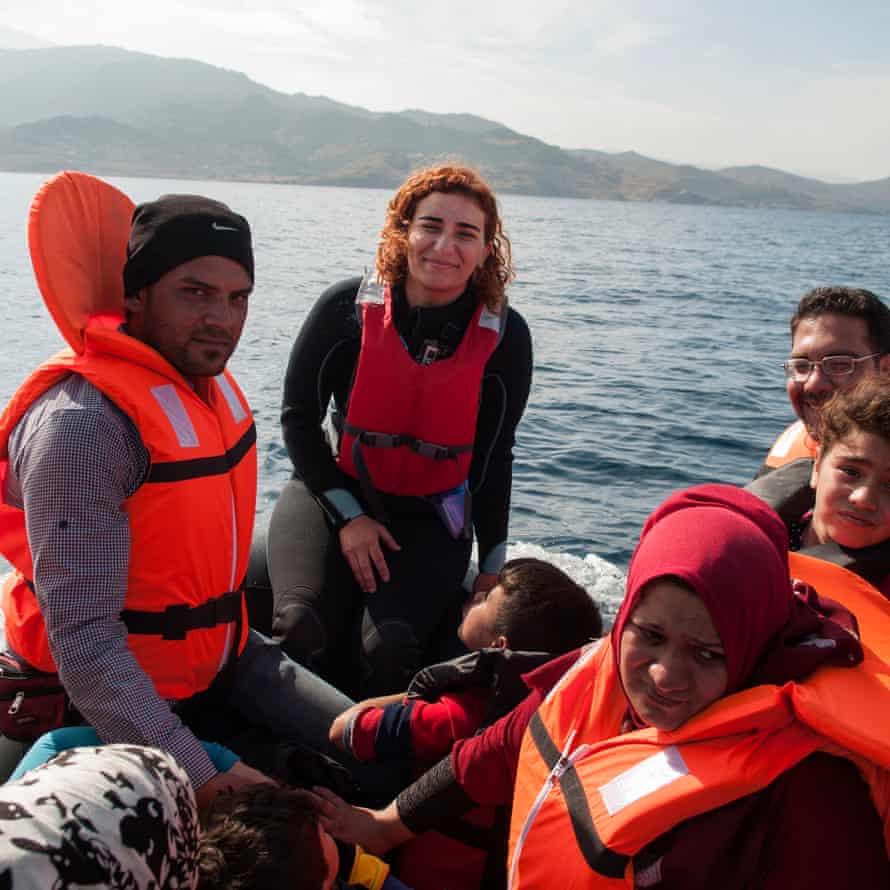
x: 642, y: 768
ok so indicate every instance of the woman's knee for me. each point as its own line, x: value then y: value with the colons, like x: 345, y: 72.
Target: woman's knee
x: 298, y: 542
x: 391, y: 655
x: 300, y: 630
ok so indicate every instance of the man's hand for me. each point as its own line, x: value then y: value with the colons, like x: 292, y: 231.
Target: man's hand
x: 360, y: 542
x: 238, y: 777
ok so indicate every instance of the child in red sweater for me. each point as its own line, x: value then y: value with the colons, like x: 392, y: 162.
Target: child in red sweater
x: 534, y: 612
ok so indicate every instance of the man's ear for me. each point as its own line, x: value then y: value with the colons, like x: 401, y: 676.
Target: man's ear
x: 884, y: 364
x: 500, y: 643
x: 136, y: 302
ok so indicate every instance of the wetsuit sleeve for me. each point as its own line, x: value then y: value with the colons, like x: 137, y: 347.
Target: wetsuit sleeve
x: 321, y: 364
x: 505, y: 389
x: 433, y: 800
x: 480, y: 770
x: 76, y: 469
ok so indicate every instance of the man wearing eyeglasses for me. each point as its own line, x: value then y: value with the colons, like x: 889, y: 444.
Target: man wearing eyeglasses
x: 838, y: 336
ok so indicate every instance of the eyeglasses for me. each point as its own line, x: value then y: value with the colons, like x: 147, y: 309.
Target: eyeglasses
x: 833, y: 366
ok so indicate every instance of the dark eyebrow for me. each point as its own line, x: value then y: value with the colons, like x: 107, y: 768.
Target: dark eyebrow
x: 853, y: 459
x: 189, y: 279
x: 197, y: 282
x: 460, y: 225
x: 829, y: 355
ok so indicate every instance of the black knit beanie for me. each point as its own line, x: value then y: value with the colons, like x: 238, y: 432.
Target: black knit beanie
x: 177, y: 228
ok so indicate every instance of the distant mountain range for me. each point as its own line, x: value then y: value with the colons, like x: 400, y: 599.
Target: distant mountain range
x: 115, y: 112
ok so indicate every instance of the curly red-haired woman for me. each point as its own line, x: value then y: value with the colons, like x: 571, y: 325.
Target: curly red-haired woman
x: 429, y: 372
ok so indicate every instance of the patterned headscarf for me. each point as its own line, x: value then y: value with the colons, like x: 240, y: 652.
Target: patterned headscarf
x: 110, y: 816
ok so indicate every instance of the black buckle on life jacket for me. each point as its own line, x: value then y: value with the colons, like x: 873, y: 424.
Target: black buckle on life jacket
x: 380, y: 440
x: 177, y: 620
x: 431, y: 450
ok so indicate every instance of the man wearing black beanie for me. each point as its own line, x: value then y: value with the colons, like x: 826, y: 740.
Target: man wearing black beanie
x: 187, y: 278
x: 131, y: 488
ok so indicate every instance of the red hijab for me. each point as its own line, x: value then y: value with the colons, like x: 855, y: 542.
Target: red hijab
x: 731, y: 548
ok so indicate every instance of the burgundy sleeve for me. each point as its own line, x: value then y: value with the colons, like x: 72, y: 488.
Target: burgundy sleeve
x: 485, y: 765
x: 825, y: 832
x: 435, y: 726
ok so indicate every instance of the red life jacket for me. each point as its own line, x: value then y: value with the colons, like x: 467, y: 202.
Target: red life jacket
x: 410, y: 427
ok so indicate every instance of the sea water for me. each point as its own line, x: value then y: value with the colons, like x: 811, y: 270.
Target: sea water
x: 659, y: 332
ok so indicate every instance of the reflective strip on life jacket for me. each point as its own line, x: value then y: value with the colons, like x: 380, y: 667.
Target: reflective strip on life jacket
x: 183, y: 596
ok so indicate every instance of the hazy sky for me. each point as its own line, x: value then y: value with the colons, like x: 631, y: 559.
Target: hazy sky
x: 803, y: 85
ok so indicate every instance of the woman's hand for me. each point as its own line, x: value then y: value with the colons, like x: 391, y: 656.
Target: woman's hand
x: 360, y: 542
x: 377, y: 831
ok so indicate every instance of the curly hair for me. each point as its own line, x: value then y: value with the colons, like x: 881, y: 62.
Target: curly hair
x: 863, y: 408
x: 491, y: 280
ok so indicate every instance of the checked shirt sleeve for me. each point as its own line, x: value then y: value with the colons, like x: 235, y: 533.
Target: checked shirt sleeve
x: 76, y: 458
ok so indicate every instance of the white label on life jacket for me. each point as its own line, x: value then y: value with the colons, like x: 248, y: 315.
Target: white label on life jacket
x: 648, y: 776
x: 168, y: 398
x: 232, y: 400
x: 490, y: 320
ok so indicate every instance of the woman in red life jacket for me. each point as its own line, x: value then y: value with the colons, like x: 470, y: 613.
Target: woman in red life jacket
x: 428, y: 371
x: 715, y: 739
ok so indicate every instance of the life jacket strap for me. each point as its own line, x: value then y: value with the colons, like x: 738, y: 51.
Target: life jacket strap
x: 599, y: 857
x: 373, y: 439
x: 430, y: 450
x: 174, y: 622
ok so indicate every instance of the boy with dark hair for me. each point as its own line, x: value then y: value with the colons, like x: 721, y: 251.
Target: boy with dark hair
x: 268, y: 837
x: 534, y: 606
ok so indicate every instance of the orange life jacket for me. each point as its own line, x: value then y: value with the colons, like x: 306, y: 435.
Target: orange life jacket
x: 794, y: 443
x: 598, y: 797
x: 410, y: 426
x: 191, y: 520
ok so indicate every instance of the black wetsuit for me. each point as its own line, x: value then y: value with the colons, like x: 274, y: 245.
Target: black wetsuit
x: 320, y: 612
